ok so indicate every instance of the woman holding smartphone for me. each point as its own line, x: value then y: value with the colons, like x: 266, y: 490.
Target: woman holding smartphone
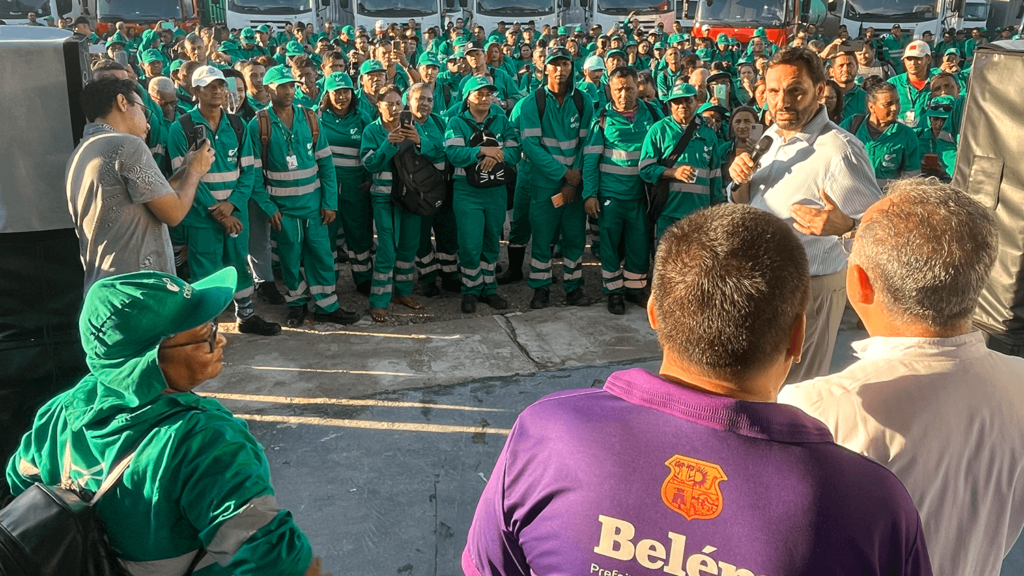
x: 745, y: 130
x: 343, y: 124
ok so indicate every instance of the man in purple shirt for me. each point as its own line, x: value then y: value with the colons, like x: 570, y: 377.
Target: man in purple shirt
x: 697, y: 470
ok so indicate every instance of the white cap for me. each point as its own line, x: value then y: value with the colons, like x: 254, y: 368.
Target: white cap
x: 206, y: 74
x: 917, y: 49
x: 705, y: 28
x: 594, y: 63
x: 379, y: 25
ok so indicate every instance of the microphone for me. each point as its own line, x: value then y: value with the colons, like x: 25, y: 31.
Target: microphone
x: 763, y: 145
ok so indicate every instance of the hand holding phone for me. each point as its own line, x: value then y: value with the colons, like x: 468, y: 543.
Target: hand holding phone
x: 405, y: 118
x: 756, y: 131
x: 200, y: 137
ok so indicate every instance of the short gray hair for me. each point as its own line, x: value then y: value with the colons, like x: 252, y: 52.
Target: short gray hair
x: 929, y: 253
x: 418, y: 87
x: 161, y: 84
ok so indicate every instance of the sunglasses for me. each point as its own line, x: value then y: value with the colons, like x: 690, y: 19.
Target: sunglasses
x: 211, y: 340
x: 942, y: 107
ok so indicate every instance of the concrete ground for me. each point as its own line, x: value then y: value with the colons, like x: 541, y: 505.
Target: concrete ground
x: 380, y: 438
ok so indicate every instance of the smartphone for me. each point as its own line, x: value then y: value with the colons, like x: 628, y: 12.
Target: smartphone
x: 167, y: 25
x: 397, y: 45
x: 931, y: 161
x: 558, y: 200
x: 232, y: 85
x: 405, y: 118
x: 721, y: 92
x: 121, y: 57
x: 200, y: 136
x: 756, y: 131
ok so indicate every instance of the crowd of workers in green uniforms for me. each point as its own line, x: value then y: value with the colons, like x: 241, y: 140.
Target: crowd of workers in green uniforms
x: 584, y: 122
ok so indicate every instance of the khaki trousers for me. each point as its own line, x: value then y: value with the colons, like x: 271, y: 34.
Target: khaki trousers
x: 824, y: 313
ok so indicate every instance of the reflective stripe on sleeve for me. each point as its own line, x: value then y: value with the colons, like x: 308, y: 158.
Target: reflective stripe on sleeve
x: 532, y: 133
x: 177, y: 162
x: 563, y: 144
x: 322, y: 153
x: 455, y: 142
x: 246, y: 161
x: 220, y: 177
x: 236, y: 530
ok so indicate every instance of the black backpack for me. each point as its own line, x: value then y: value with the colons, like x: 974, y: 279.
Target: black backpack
x: 57, y: 531
x: 475, y: 176
x: 417, y: 185
x: 190, y: 129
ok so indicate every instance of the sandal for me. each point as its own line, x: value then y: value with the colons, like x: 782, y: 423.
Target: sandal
x: 408, y: 302
x: 379, y: 314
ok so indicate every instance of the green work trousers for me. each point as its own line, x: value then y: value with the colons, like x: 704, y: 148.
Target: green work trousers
x: 440, y: 255
x: 211, y: 249
x: 307, y: 262
x: 547, y: 223
x: 623, y: 222
x: 355, y: 216
x: 480, y: 213
x: 398, y: 237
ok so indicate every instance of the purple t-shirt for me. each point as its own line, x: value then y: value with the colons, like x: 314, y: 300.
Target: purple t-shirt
x: 646, y: 476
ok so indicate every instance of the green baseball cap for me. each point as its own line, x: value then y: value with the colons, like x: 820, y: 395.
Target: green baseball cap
x: 940, y: 107
x: 683, y: 90
x: 370, y: 66
x: 579, y: 28
x: 952, y: 51
x: 760, y: 32
x: 658, y: 46
x: 293, y: 48
x: 618, y: 53
x: 722, y: 38
x: 429, y: 59
x: 673, y: 38
x: 150, y: 55
x: 337, y: 81
x: 348, y: 29
x: 227, y: 46
x: 476, y: 83
x: 563, y: 30
x: 556, y: 53
x: 117, y: 38
x: 176, y: 64
x: 713, y: 107
x: 264, y: 29
x: 129, y: 315
x: 278, y: 75
x: 248, y: 35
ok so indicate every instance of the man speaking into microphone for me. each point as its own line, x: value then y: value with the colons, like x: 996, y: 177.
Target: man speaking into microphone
x: 815, y: 176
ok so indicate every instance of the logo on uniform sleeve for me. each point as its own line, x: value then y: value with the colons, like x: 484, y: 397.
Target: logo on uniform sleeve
x: 692, y: 488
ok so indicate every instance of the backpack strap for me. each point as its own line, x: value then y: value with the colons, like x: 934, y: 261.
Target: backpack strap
x: 314, y: 125
x: 487, y: 123
x: 236, y: 124
x: 446, y: 91
x: 263, y: 123
x: 190, y: 130
x: 577, y: 99
x: 858, y: 121
x: 680, y: 146
x: 542, y: 102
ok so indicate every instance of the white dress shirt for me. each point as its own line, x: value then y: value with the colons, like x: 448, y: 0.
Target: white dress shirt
x: 822, y: 156
x: 946, y: 415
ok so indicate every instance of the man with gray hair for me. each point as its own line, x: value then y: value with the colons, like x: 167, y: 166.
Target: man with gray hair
x: 927, y: 399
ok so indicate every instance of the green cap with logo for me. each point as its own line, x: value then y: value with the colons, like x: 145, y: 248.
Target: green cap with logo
x: 555, y: 53
x: 248, y: 36
x: 293, y: 48
x: 117, y: 38
x: 371, y: 66
x: 429, y: 59
x: 722, y: 38
x: 278, y: 75
x: 476, y: 83
x: 683, y: 90
x: 151, y: 55
x: 337, y: 81
x: 722, y: 110
x: 940, y: 107
x: 264, y: 29
x: 348, y: 29
x: 563, y: 30
x: 613, y: 53
x: 176, y: 64
x: 128, y: 315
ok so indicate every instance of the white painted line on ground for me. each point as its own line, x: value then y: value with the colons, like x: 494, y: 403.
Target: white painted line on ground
x: 327, y: 370
x: 344, y: 402
x: 375, y: 425
x: 375, y: 334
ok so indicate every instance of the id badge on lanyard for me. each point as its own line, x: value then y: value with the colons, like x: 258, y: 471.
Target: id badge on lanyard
x: 293, y: 162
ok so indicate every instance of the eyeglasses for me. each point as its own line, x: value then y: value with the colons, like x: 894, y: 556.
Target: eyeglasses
x: 211, y: 340
x: 145, y: 110
x: 943, y: 107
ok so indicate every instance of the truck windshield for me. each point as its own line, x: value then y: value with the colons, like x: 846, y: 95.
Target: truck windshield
x: 976, y: 12
x: 626, y: 6
x: 515, y: 7
x: 397, y: 9
x: 742, y: 13
x: 890, y: 11
x: 270, y: 6
x: 19, y: 9
x: 136, y: 10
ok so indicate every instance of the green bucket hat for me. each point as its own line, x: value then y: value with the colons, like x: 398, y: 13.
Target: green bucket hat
x: 681, y: 91
x: 476, y: 83
x: 128, y: 315
x: 429, y: 59
x: 278, y: 75
x: 151, y: 56
x: 293, y: 48
x: 337, y: 81
x: 369, y: 67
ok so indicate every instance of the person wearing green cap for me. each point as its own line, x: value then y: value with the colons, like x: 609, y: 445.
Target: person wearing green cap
x: 371, y: 80
x: 507, y: 93
x: 152, y: 64
x: 893, y: 149
x: 248, y: 46
x: 115, y: 43
x: 198, y: 478
x: 429, y: 68
x: 298, y: 174
x: 553, y: 144
x: 725, y: 53
x: 214, y: 229
x: 706, y: 50
x: 937, y: 146
x: 479, y: 211
x: 613, y: 192
x: 344, y: 123
x: 398, y: 231
x: 695, y: 180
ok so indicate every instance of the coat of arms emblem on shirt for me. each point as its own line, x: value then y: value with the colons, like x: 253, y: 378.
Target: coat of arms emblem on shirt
x: 692, y: 487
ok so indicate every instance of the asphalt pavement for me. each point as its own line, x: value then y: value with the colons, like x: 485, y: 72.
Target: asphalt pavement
x: 380, y: 441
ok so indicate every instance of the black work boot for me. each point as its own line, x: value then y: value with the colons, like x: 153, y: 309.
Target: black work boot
x: 541, y: 296
x: 268, y: 290
x: 616, y: 305
x: 469, y: 304
x: 258, y: 326
x: 296, y: 316
x: 575, y: 297
x: 516, y: 254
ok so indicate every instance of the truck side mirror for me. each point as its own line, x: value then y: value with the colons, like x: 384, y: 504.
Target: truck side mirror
x: 680, y: 7
x: 832, y: 5
x: 344, y: 4
x: 325, y: 3
x: 464, y: 3
x: 585, y: 4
